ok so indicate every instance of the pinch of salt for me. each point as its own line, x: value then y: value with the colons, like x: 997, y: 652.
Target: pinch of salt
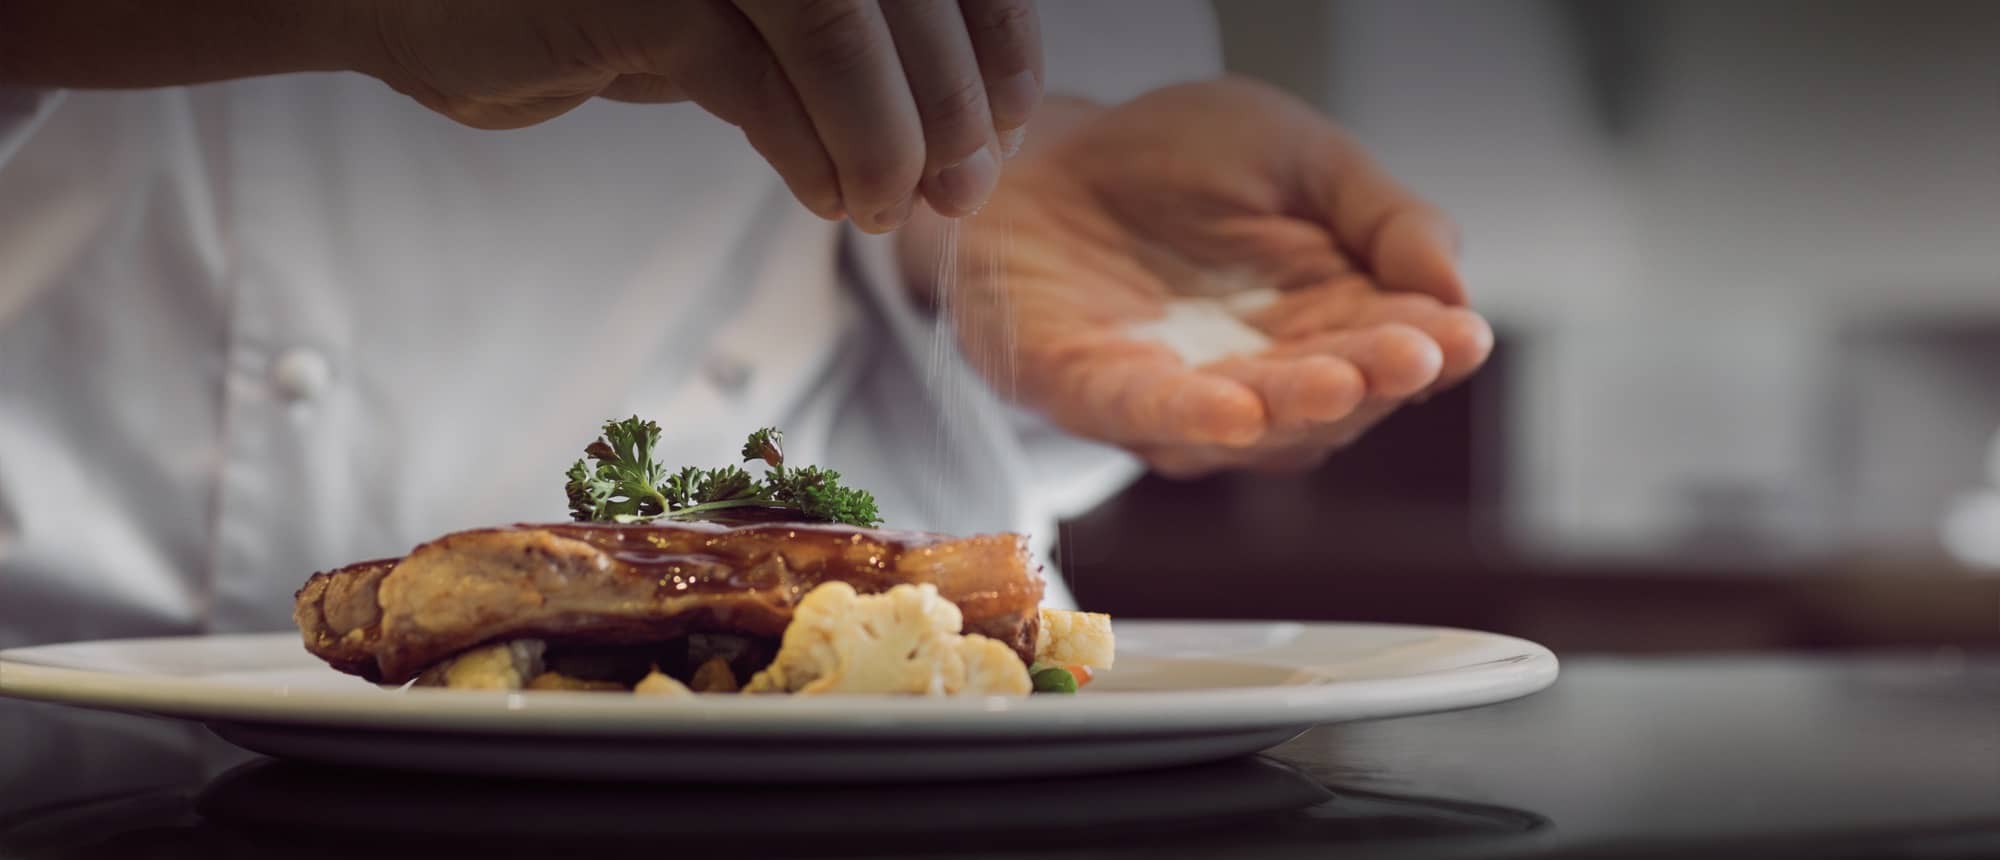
x: 1204, y: 331
x: 1243, y: 303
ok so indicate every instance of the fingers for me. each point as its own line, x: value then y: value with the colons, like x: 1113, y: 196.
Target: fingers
x: 644, y: 89
x: 1416, y: 249
x: 1299, y: 393
x: 1465, y: 340
x: 1146, y: 397
x: 722, y: 63
x: 1395, y: 360
x: 1400, y: 363
x: 1283, y: 411
x: 1006, y: 36
x: 1462, y: 336
x: 1327, y: 396
x: 841, y: 58
x: 961, y: 163
x: 861, y: 105
x: 1407, y: 243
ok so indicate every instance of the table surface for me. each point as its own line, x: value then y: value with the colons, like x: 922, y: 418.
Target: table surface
x: 1753, y: 756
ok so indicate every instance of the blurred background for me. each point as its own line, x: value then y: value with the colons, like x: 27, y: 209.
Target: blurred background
x: 1744, y: 264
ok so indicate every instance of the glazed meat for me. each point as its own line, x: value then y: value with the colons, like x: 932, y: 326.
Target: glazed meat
x: 604, y: 584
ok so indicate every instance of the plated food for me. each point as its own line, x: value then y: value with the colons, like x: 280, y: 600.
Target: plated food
x: 705, y: 581
x: 716, y: 626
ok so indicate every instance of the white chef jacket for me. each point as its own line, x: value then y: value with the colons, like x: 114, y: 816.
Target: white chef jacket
x: 255, y: 329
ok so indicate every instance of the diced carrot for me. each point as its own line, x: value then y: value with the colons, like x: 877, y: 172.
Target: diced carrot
x: 1080, y: 672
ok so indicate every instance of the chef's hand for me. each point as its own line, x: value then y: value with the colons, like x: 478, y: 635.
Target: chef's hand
x: 861, y: 105
x: 1187, y: 191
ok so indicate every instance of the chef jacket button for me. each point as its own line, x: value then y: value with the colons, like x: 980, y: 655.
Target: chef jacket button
x: 728, y: 373
x: 301, y: 374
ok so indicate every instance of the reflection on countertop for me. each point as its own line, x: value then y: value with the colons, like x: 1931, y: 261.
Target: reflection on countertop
x: 1750, y: 756
x: 272, y: 808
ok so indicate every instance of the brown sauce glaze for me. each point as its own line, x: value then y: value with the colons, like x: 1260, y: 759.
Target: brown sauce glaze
x: 601, y: 583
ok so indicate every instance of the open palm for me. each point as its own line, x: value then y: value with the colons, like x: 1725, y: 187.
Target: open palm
x: 1202, y: 190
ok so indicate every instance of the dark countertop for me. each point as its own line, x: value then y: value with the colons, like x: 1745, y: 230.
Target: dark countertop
x: 1711, y: 756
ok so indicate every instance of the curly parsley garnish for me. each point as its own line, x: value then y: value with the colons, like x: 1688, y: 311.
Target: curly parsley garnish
x: 619, y: 481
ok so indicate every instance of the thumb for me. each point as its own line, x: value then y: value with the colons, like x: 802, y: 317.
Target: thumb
x: 1404, y: 241
x: 1416, y: 250
x: 644, y: 89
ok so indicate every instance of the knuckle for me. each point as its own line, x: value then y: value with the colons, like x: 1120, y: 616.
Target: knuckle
x: 835, y: 35
x: 761, y: 93
x: 956, y: 121
x: 1008, y: 23
x: 766, y: 85
x: 1006, y: 38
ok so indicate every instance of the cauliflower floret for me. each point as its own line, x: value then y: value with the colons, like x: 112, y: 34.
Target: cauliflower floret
x: 992, y: 668
x: 904, y: 640
x: 500, y: 666
x: 657, y: 683
x: 1082, y: 638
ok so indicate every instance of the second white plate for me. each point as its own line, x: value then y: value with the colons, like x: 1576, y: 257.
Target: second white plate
x: 1183, y: 692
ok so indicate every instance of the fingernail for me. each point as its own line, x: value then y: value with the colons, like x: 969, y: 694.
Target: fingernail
x: 1012, y: 100
x: 1010, y: 141
x: 894, y: 216
x: 962, y: 187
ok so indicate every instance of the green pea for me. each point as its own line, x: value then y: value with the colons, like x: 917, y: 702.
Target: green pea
x: 1053, y: 680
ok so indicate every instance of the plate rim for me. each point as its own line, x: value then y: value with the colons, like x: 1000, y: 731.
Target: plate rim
x: 1527, y: 668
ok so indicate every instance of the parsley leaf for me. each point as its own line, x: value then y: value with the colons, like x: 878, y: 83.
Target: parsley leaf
x: 625, y: 484
x: 817, y: 494
x: 618, y: 481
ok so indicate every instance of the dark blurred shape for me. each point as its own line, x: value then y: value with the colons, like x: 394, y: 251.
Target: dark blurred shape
x: 1614, y: 41
x: 1617, y: 47
x: 273, y: 808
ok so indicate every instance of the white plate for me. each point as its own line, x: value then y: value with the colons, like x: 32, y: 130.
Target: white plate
x: 1183, y: 692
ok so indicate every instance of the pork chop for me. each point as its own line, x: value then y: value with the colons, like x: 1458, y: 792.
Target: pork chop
x: 596, y: 583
